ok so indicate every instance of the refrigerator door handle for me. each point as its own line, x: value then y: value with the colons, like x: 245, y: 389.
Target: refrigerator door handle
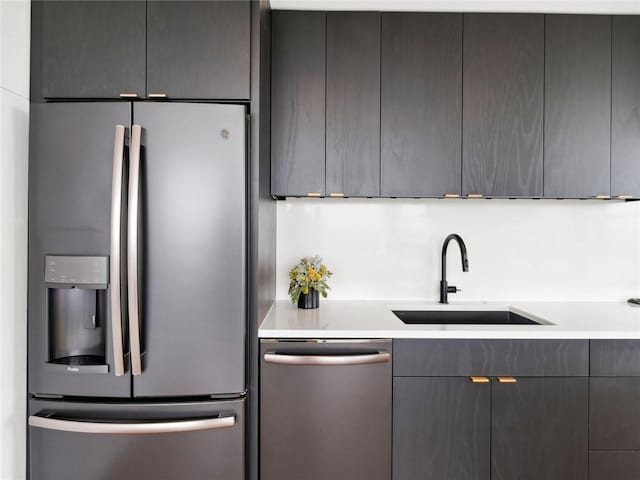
x: 326, y: 360
x: 87, y: 426
x: 115, y: 257
x: 132, y: 249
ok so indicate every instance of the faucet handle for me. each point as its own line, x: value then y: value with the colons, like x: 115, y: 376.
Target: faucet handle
x: 453, y: 289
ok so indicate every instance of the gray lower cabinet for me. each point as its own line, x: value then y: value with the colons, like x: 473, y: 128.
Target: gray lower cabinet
x: 614, y: 358
x: 441, y: 428
x: 577, y: 105
x: 614, y: 417
x: 614, y: 465
x: 524, y: 358
x: 450, y: 422
x: 539, y: 429
x: 325, y: 410
x: 614, y: 410
x: 453, y: 428
x: 421, y: 104
x: 298, y: 94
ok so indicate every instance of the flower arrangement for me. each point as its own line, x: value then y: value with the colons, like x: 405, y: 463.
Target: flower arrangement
x: 309, y: 274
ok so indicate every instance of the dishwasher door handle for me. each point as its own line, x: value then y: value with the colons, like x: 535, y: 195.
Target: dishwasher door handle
x: 326, y: 360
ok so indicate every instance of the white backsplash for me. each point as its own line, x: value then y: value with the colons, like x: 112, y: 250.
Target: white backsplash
x: 518, y: 249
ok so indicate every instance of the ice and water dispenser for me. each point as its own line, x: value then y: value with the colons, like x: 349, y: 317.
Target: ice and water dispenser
x: 77, y: 312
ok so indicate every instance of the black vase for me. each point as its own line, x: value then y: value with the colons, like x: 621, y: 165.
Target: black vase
x: 309, y: 300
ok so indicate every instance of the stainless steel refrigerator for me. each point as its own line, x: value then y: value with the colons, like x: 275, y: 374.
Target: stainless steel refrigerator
x: 137, y: 291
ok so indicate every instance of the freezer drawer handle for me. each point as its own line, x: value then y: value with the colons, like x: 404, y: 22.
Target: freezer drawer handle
x: 114, y: 267
x: 81, y: 426
x: 132, y: 249
x: 327, y: 360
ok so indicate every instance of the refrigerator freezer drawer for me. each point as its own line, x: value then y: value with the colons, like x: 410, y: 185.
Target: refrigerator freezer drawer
x: 107, y: 441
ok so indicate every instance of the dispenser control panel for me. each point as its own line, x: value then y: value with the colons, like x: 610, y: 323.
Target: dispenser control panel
x: 77, y: 270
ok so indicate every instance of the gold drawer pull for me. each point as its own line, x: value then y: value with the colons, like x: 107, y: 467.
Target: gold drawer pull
x: 314, y: 194
x: 506, y: 380
x: 157, y: 95
x: 451, y: 195
x: 602, y: 197
x: 336, y: 195
x: 624, y: 197
x: 128, y: 95
x: 475, y: 195
x: 480, y: 379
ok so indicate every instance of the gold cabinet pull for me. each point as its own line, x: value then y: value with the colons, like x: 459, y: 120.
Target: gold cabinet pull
x: 475, y: 379
x: 602, y: 197
x: 128, y: 95
x: 451, y: 195
x: 157, y: 95
x: 506, y: 380
x: 624, y: 197
x: 336, y: 195
x: 314, y: 194
x: 475, y: 195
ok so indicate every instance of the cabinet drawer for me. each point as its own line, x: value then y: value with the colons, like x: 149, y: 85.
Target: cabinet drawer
x: 614, y: 417
x: 614, y: 465
x: 491, y: 357
x: 615, y: 358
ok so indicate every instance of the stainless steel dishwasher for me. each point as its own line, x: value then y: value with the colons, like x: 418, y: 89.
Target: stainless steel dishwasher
x: 325, y: 409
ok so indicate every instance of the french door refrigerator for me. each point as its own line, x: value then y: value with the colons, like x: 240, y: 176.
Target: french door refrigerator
x: 137, y: 291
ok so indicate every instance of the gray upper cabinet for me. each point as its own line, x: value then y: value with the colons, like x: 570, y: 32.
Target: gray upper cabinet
x: 353, y: 104
x: 503, y: 105
x: 421, y: 104
x: 625, y: 107
x: 298, y: 103
x: 198, y: 49
x: 93, y: 49
x: 111, y: 49
x: 577, y: 106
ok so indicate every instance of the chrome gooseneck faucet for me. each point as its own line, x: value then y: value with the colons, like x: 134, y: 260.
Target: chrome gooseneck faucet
x: 445, y: 289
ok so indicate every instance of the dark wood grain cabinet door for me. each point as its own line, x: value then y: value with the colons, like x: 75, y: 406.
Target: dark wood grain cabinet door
x: 577, y: 106
x: 441, y: 428
x: 614, y: 416
x: 625, y: 106
x: 421, y: 104
x: 298, y: 103
x: 198, y: 49
x: 539, y: 429
x: 353, y: 104
x: 93, y: 49
x: 614, y: 358
x: 614, y: 465
x: 503, y: 105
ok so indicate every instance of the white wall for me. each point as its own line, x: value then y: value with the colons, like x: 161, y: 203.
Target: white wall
x: 14, y: 125
x: 518, y: 249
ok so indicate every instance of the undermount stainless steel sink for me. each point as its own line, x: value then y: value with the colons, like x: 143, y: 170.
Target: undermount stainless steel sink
x: 464, y: 317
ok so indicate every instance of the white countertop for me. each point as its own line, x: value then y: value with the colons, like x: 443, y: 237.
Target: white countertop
x: 374, y: 319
